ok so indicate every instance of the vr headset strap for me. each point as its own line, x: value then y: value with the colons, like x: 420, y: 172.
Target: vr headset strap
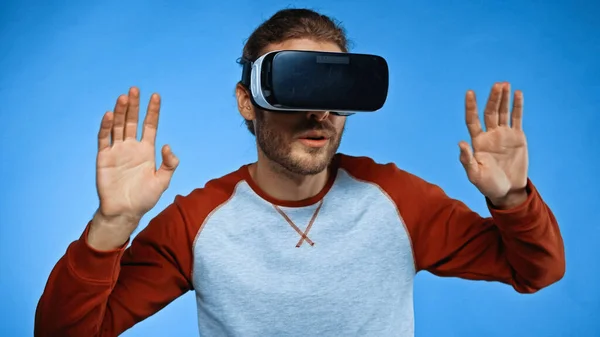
x: 246, y: 72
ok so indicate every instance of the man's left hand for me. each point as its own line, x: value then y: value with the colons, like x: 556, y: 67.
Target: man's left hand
x: 497, y: 163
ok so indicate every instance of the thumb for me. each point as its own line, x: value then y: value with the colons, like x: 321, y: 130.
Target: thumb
x: 168, y: 165
x: 468, y: 160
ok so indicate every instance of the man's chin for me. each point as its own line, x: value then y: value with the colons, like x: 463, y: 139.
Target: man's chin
x: 309, y: 161
x: 301, y: 151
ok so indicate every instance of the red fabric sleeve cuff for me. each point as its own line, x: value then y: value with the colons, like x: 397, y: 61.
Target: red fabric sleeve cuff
x: 94, y: 265
x: 523, y: 216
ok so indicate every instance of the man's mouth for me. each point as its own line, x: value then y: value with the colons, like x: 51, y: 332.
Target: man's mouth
x: 314, y: 135
x: 314, y: 139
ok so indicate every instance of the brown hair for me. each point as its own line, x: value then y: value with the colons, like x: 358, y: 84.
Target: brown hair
x: 293, y: 23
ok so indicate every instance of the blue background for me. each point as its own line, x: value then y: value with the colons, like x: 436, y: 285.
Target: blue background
x: 64, y: 64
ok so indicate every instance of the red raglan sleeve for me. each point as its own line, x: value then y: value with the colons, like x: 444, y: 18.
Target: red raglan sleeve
x: 92, y: 293
x: 521, y: 247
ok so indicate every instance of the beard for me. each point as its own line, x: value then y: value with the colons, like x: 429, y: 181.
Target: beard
x: 277, y: 145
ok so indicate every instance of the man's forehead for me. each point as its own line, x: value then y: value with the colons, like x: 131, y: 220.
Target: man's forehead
x: 303, y: 44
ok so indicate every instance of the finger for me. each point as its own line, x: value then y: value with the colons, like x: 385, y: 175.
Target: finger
x: 491, y: 108
x: 503, y: 110
x: 119, y: 118
x: 131, y: 116
x: 517, y: 111
x: 151, y: 120
x: 168, y: 165
x: 104, y: 133
x: 468, y: 160
x: 471, y: 115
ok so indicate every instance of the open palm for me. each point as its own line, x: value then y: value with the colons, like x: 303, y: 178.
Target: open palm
x: 127, y: 180
x: 497, y: 163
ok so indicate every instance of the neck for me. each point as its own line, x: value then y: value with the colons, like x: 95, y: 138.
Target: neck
x: 282, y: 184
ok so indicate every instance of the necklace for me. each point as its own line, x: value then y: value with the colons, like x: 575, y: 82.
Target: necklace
x: 303, y: 235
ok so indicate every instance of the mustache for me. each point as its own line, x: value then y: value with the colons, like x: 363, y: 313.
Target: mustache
x: 326, y: 127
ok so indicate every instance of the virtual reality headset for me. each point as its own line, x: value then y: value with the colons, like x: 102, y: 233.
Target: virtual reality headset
x: 294, y: 80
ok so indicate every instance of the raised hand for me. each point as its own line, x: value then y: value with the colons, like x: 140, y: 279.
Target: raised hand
x: 497, y: 163
x: 128, y: 183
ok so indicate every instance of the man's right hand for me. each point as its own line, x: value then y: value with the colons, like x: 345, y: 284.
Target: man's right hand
x: 128, y: 183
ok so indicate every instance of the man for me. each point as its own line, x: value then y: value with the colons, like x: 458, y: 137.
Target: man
x: 305, y: 241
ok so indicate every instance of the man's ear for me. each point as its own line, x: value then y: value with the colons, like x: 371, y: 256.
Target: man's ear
x: 244, y: 103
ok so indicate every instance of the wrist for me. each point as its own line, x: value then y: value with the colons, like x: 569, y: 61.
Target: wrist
x: 110, y: 233
x: 510, y: 200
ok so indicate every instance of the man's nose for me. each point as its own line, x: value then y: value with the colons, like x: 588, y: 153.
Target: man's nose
x: 318, y: 115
